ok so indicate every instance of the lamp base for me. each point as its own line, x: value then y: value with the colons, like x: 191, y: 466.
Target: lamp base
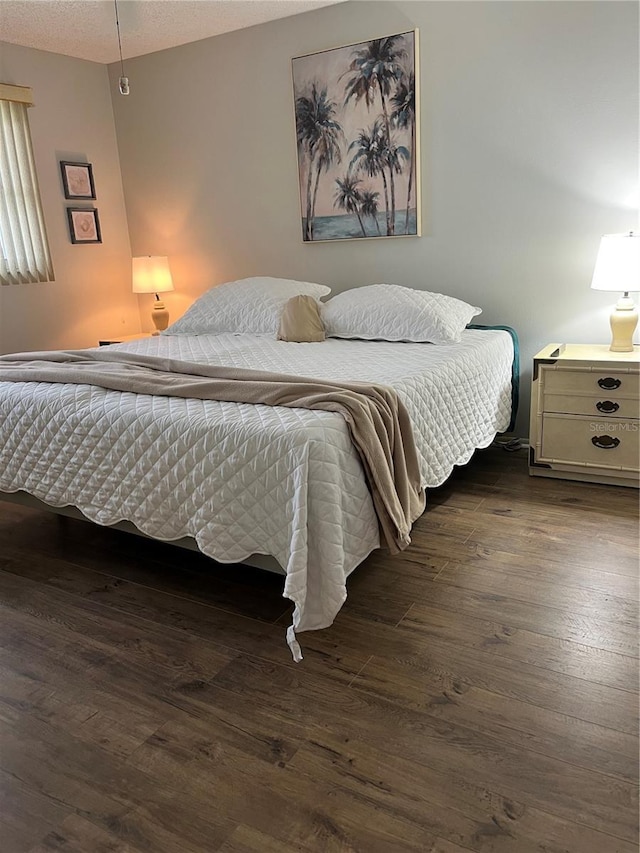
x: 160, y: 316
x: 624, y: 320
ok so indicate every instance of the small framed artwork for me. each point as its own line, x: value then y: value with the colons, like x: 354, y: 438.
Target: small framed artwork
x: 77, y: 179
x: 84, y: 225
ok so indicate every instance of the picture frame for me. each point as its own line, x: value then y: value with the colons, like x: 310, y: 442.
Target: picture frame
x: 77, y: 180
x: 84, y: 225
x: 357, y: 122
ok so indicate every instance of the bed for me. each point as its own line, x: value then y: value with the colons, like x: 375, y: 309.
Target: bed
x: 243, y: 480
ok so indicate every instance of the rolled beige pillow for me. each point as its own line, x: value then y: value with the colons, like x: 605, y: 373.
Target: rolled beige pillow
x: 301, y: 321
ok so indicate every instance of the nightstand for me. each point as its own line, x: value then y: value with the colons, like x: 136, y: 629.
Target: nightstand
x: 123, y: 339
x: 585, y: 414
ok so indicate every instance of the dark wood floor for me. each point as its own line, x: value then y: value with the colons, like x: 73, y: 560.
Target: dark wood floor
x: 478, y: 693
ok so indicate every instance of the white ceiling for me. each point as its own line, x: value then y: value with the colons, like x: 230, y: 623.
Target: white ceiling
x: 87, y: 28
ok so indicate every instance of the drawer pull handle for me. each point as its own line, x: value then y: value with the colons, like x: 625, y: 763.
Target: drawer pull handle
x: 609, y: 383
x: 607, y: 406
x: 605, y: 442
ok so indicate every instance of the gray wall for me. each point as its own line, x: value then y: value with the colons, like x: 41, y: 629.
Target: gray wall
x: 72, y: 120
x: 529, y: 154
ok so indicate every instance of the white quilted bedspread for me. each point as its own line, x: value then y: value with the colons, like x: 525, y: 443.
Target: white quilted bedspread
x: 243, y: 479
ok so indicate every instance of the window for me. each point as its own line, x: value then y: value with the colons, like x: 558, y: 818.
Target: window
x: 24, y: 249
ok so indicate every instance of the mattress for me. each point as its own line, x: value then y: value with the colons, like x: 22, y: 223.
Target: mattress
x: 243, y: 479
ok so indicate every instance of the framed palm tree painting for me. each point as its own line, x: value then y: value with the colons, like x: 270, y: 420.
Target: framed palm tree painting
x: 357, y: 124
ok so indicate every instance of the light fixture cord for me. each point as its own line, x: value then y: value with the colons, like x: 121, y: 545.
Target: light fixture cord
x: 115, y: 3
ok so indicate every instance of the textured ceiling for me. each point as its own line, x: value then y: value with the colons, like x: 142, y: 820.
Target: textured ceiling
x: 87, y: 28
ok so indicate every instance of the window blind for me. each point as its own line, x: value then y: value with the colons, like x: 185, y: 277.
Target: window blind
x: 24, y: 248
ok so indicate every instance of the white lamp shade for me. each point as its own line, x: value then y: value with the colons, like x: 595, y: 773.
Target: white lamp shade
x: 618, y: 263
x: 151, y: 275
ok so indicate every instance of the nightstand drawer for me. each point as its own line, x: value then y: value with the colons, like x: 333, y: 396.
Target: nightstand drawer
x: 597, y: 382
x: 602, y: 442
x: 602, y: 405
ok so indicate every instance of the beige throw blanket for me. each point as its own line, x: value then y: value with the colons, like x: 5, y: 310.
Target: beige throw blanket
x: 377, y: 420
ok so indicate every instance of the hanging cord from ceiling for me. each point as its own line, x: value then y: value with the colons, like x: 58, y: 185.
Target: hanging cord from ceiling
x: 123, y: 83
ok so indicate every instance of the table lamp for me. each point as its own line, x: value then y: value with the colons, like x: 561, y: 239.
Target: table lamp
x: 618, y: 268
x: 152, y: 275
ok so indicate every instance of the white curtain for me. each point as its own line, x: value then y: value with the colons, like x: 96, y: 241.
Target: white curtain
x: 24, y: 249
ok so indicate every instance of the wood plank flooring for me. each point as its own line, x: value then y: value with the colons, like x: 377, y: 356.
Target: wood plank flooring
x: 477, y: 693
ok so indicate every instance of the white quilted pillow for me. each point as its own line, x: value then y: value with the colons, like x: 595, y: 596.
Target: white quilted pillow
x: 249, y: 306
x: 389, y: 312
